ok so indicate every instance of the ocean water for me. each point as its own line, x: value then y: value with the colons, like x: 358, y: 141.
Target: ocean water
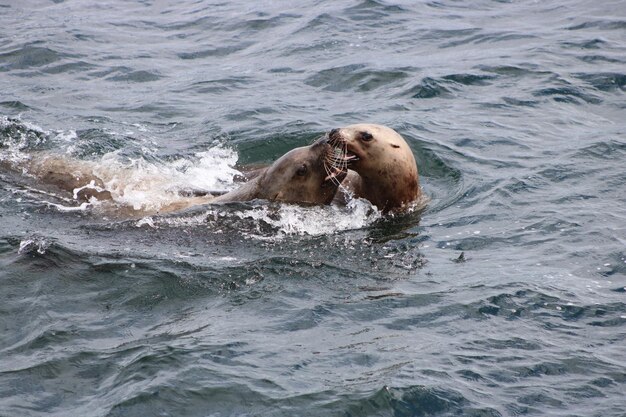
x: 505, y: 297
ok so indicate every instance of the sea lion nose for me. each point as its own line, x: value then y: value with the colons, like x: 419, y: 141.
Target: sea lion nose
x: 333, y: 133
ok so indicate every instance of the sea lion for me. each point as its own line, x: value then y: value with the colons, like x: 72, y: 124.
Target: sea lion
x: 308, y: 175
x: 305, y: 175
x: 382, y: 166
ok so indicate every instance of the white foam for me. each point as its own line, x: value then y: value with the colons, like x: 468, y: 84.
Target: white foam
x: 69, y: 136
x: 284, y: 219
x: 151, y: 186
x: 37, y: 244
x: 12, y: 149
x: 322, y: 220
x: 83, y: 206
x: 148, y: 221
x: 212, y: 170
x: 69, y: 139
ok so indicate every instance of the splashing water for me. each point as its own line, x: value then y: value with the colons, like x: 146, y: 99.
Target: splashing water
x: 35, y: 244
x: 145, y: 185
x: 212, y: 170
x: 283, y: 220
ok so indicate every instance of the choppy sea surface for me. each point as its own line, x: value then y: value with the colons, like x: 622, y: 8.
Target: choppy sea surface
x: 505, y: 297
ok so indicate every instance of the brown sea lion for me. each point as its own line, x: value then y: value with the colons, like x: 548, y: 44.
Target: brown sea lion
x: 383, y: 168
x: 305, y: 175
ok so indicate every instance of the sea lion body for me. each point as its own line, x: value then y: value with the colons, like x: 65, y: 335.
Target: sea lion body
x: 298, y: 177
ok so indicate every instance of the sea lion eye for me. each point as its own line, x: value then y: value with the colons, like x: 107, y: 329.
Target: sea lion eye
x: 302, y: 171
x: 366, y: 136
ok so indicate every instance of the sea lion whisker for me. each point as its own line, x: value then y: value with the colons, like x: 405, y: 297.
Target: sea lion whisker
x: 332, y: 174
x: 335, y: 162
x: 333, y: 178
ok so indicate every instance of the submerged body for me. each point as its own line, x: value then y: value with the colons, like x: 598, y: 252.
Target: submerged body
x: 300, y: 176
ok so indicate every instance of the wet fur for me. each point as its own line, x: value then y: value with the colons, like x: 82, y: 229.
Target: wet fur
x: 300, y: 176
x: 385, y: 172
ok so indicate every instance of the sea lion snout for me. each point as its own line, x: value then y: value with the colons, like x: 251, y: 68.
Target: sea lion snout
x: 337, y: 138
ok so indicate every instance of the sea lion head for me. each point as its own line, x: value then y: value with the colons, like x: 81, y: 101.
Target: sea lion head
x: 303, y: 175
x: 383, y: 160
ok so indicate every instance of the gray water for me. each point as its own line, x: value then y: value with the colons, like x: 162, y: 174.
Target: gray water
x: 516, y: 113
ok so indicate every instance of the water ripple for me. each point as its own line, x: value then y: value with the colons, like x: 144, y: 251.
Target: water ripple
x: 505, y: 296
